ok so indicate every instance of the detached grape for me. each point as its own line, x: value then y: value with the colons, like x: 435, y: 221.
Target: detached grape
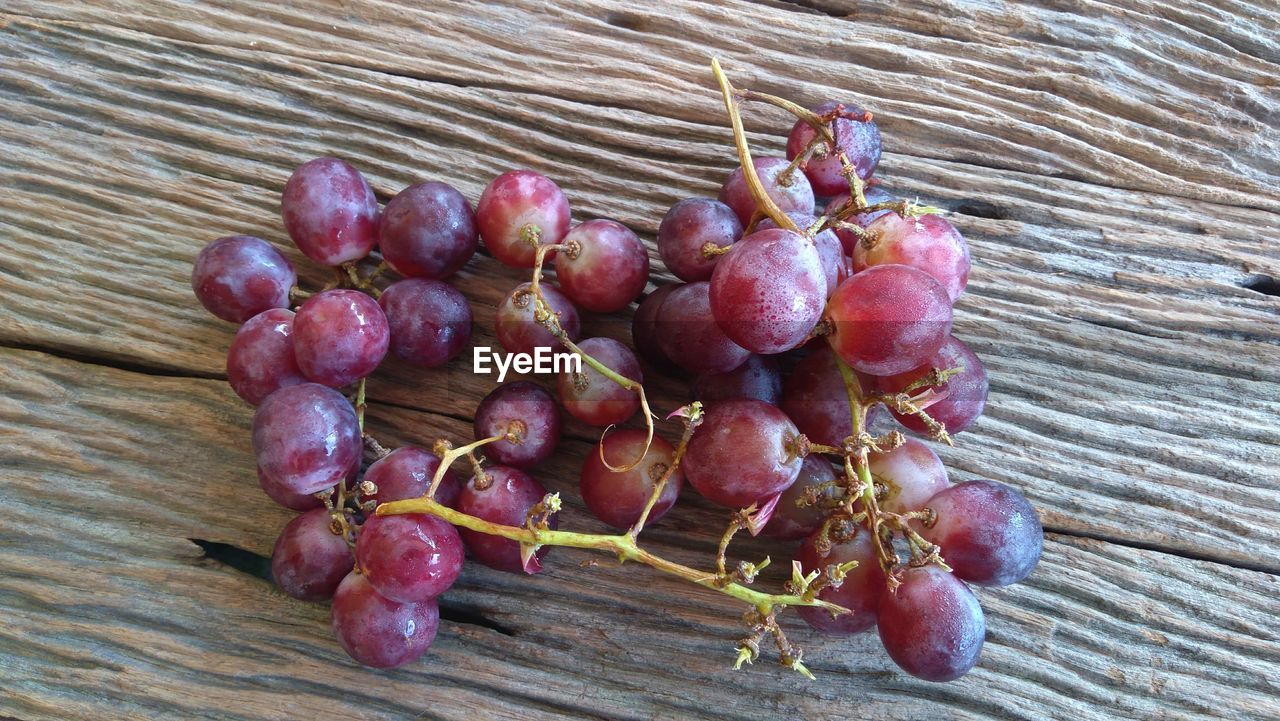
x: 743, y: 453
x: 379, y: 632
x: 310, y: 560
x: 618, y: 498
x: 339, y: 337
x: 791, y: 192
x: 988, y: 532
x: 306, y: 437
x: 768, y: 291
x: 609, y: 268
x: 517, y: 205
x: 889, y: 319
x: 260, y: 360
x: 330, y: 211
x: 282, y: 495
x: 689, y: 335
x: 757, y: 378
x: 428, y: 231
x: 644, y: 328
x: 690, y: 225
x: 592, y: 398
x: 536, y: 421
x: 238, y: 277
x: 932, y: 626
x: 409, y: 557
x: 429, y: 320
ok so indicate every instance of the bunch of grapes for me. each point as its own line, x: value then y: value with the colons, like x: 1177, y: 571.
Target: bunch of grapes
x: 804, y: 269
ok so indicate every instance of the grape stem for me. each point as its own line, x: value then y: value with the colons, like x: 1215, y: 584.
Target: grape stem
x: 858, y: 470
x: 692, y: 419
x: 448, y: 454
x: 624, y: 546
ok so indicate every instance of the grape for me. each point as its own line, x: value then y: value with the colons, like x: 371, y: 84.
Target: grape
x: 932, y: 625
x: 815, y: 399
x: 609, y: 268
x: 594, y: 399
x: 406, y: 472
x: 306, y: 437
x: 830, y: 251
x: 889, y: 319
x: 767, y: 292
x: 795, y: 194
x: 428, y: 231
x: 537, y: 420
x: 339, y: 337
x: 912, y: 472
x: 791, y: 521
x: 874, y: 194
x: 516, y: 328
x: 927, y: 243
x: 514, y: 200
x: 758, y: 377
x: 964, y: 394
x: 330, y: 211
x: 409, y: 558
x: 379, y: 632
x: 644, y: 328
x: 310, y: 560
x: 855, y: 133
x: 989, y: 533
x: 260, y: 360
x: 861, y: 591
x: 689, y: 335
x: 743, y: 453
x: 429, y: 320
x: 506, y: 501
x: 239, y: 276
x: 618, y: 499
x: 281, y: 494
x: 687, y: 227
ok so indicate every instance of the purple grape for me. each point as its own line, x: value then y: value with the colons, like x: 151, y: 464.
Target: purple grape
x: 758, y: 377
x: 927, y: 243
x: 281, y: 494
x: 689, y: 335
x: 410, y: 557
x: 768, y: 291
x: 743, y: 453
x: 537, y: 420
x: 306, y: 437
x: 932, y: 626
x: 310, y: 560
x: 855, y: 133
x: 791, y: 521
x: 835, y: 266
x: 330, y: 211
x: 516, y: 328
x: 644, y: 328
x: 861, y: 591
x: 873, y: 194
x: 239, y: 276
x: 988, y: 532
x: 506, y: 501
x: 379, y: 632
x: 912, y: 472
x: 962, y: 396
x: 609, y: 268
x: 516, y: 199
x: 815, y: 399
x: 594, y: 399
x: 687, y: 227
x: 618, y: 498
x: 340, y: 336
x: 889, y: 319
x: 428, y: 231
x: 260, y: 360
x: 429, y: 320
x: 406, y: 473
x: 794, y: 194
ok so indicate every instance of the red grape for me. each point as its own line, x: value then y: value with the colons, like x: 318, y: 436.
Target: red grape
x: 306, y: 437
x: 428, y: 231
x: 689, y: 335
x: 410, y: 557
x: 794, y: 194
x: 406, y: 472
x: 767, y: 292
x: 912, y: 472
x: 854, y: 132
x: 988, y: 532
x: 379, y: 632
x: 790, y: 520
x: 815, y: 399
x: 310, y: 560
x: 830, y: 251
x: 594, y: 399
x: 514, y: 200
x: 618, y: 499
x: 260, y: 360
x: 963, y: 396
x: 743, y: 453
x: 429, y: 320
x: 889, y: 319
x: 340, y: 336
x: 538, y: 421
x: 873, y: 195
x: 758, y: 377
x: 928, y: 243
x: 861, y: 591
x: 330, y: 211
x: 932, y: 625
x: 506, y: 501
x: 687, y: 227
x: 281, y: 494
x: 516, y: 328
x: 609, y: 268
x: 239, y: 276
x: 644, y: 328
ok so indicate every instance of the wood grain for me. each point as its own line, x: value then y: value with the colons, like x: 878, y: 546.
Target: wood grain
x: 1113, y: 166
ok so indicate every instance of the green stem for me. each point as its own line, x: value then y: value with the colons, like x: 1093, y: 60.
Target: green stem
x: 452, y: 454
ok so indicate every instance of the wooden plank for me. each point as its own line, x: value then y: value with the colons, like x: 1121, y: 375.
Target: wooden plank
x: 1133, y: 395
x: 111, y: 612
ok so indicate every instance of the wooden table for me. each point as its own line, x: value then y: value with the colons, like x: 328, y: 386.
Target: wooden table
x: 1114, y: 166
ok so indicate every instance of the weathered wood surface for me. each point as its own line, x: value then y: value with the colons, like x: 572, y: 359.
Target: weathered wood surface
x: 1113, y: 166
